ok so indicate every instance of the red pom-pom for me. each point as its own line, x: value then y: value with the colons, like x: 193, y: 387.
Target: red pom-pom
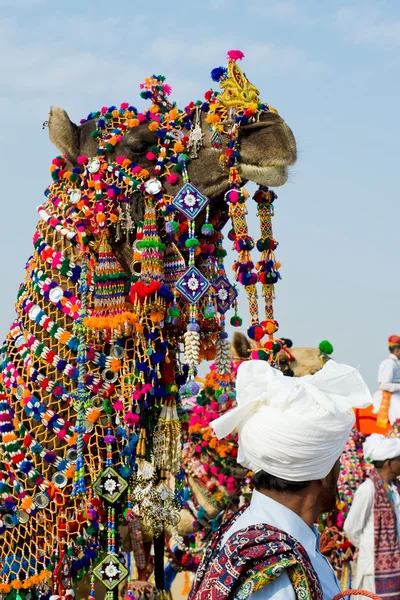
x: 235, y: 55
x: 172, y: 178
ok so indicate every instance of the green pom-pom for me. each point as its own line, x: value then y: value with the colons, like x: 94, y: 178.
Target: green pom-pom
x: 325, y: 347
x: 209, y: 312
x: 96, y: 134
x: 174, y: 312
x: 110, y: 148
x: 175, y: 226
x: 220, y: 253
x: 178, y: 167
x: 108, y: 115
x: 73, y: 177
x: 207, y: 228
x: 192, y: 243
x: 236, y: 321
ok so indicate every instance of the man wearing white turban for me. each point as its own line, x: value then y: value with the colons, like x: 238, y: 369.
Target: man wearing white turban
x: 373, y: 522
x: 291, y: 432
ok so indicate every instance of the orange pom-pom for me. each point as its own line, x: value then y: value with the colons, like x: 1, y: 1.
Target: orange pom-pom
x: 153, y: 126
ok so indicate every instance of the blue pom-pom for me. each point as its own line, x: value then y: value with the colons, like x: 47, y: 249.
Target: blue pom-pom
x: 218, y: 73
x: 165, y: 292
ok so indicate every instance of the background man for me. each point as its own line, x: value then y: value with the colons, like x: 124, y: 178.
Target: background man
x: 372, y: 524
x: 387, y: 399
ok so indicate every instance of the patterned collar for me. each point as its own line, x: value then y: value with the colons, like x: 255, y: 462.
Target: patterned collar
x: 273, y: 513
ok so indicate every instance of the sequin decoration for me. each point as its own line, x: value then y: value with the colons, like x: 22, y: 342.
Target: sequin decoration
x: 190, y: 201
x: 192, y: 285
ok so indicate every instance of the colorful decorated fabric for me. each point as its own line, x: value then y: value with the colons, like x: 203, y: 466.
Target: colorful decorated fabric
x: 387, y: 549
x: 251, y: 559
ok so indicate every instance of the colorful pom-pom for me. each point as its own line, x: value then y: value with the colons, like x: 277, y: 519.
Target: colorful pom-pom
x: 325, y: 347
x: 236, y: 321
x: 255, y: 332
x: 218, y: 73
x: 235, y: 55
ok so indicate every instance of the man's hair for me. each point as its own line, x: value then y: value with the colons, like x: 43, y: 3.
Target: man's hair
x: 265, y: 481
x: 379, y: 464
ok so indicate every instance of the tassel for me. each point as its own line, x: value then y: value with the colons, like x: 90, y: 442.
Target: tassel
x: 383, y: 414
x: 109, y: 312
x: 186, y: 585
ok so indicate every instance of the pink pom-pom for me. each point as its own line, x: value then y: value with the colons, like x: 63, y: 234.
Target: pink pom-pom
x: 111, y: 193
x: 214, y: 470
x: 167, y: 89
x: 213, y: 405
x: 141, y: 118
x: 146, y: 388
x: 104, y: 110
x: 82, y: 160
x: 136, y: 169
x: 124, y: 105
x: 172, y: 178
x: 221, y: 479
x: 151, y: 156
x: 198, y: 449
x: 120, y: 159
x: 118, y: 405
x: 235, y: 55
x: 206, y: 467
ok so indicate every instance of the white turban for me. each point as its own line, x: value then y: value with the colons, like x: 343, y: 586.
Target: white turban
x: 380, y: 447
x: 294, y: 428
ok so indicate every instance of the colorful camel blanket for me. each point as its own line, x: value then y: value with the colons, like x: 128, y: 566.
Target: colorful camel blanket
x: 251, y: 559
x: 387, y: 549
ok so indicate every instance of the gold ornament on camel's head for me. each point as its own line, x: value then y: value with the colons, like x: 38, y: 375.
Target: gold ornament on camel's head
x: 238, y: 92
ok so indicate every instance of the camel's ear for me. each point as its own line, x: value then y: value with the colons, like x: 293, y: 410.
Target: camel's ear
x: 63, y: 133
x: 241, y: 345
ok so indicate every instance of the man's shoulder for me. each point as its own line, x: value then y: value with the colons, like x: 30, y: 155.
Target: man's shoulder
x: 367, y: 488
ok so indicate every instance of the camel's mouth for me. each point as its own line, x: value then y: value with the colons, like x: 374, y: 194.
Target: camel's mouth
x: 265, y: 175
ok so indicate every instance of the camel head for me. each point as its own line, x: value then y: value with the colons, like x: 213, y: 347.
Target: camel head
x: 246, y: 133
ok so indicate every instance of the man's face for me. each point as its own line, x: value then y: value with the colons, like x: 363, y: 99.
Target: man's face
x: 396, y: 352
x: 395, y: 466
x: 329, y: 489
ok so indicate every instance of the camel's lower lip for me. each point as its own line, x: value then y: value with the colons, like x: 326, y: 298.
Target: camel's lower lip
x: 267, y: 175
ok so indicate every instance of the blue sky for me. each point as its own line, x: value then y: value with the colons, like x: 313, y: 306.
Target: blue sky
x: 332, y: 70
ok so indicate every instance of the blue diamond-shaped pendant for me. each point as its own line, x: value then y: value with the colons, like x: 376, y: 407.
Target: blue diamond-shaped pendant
x: 190, y: 201
x: 192, y: 285
x: 225, y: 294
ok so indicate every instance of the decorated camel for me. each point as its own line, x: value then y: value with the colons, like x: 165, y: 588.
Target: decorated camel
x: 124, y: 293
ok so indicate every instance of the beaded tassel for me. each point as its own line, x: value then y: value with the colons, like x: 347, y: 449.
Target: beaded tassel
x: 151, y: 247
x: 166, y: 441
x: 109, y: 312
x: 82, y: 397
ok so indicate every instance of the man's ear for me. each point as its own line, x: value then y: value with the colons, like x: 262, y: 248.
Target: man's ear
x: 64, y: 134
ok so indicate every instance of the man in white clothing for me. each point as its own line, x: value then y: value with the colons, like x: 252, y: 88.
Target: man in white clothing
x: 292, y: 432
x: 387, y: 399
x: 366, y: 510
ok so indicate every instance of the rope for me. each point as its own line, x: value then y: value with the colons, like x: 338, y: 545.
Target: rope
x: 357, y: 593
